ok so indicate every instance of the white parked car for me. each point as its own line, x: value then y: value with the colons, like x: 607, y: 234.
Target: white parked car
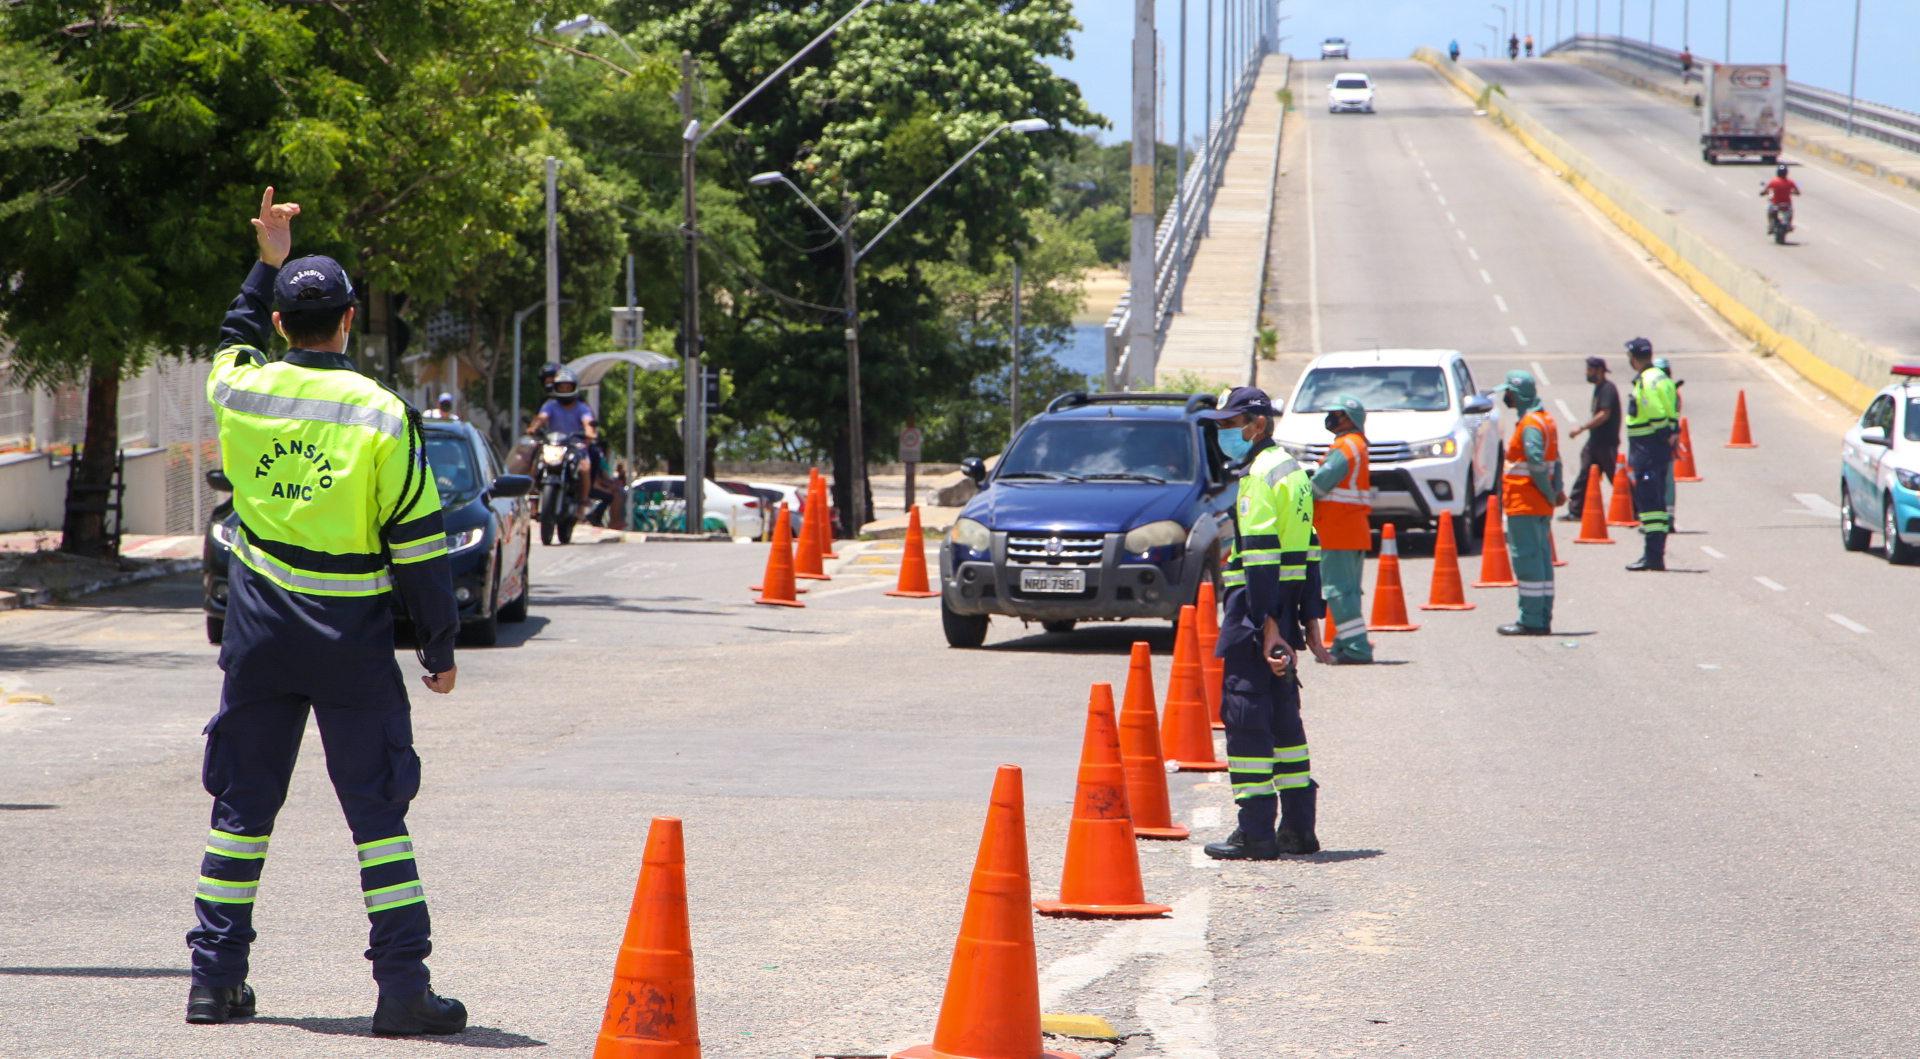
x: 1880, y: 472
x: 794, y: 496
x: 1350, y: 91
x: 1433, y: 440
x: 739, y: 515
x: 1334, y: 48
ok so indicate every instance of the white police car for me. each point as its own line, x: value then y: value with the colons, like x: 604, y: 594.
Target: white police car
x: 1880, y: 472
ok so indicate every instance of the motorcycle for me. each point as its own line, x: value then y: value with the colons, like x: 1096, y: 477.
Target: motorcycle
x: 1779, y: 221
x: 558, y: 467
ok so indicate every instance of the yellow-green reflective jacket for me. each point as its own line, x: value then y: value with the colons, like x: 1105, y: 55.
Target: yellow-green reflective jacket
x: 1654, y: 404
x: 1273, y: 519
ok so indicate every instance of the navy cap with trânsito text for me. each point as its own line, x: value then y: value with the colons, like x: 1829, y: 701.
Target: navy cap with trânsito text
x: 312, y: 283
x: 1242, y: 400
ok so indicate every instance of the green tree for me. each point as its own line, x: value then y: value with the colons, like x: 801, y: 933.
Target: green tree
x: 42, y: 111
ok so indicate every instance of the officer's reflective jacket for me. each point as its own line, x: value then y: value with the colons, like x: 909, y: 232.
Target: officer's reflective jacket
x: 1653, y: 407
x: 337, y: 508
x: 1273, y: 567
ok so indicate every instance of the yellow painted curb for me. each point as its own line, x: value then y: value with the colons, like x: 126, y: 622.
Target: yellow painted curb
x: 1090, y: 1027
x: 16, y: 700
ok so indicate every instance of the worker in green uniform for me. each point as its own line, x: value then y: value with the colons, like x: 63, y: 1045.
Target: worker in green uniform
x: 1530, y: 489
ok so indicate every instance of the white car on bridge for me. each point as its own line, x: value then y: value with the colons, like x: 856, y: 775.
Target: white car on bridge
x: 1350, y: 92
x: 1880, y: 472
x: 1433, y: 440
x: 1333, y: 48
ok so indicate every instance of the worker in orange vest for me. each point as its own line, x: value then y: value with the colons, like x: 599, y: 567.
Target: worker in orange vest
x: 1342, y: 502
x: 1529, y: 491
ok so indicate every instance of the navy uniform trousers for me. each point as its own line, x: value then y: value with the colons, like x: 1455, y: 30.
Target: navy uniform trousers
x: 1650, y: 461
x: 1266, y: 745
x: 252, y: 744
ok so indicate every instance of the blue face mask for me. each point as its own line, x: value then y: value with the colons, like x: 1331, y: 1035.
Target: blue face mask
x: 1234, y: 444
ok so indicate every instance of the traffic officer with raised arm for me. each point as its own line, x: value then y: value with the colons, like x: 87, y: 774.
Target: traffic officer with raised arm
x: 1530, y: 489
x: 1342, y: 504
x: 1653, y: 418
x: 1273, y: 597
x: 337, y: 509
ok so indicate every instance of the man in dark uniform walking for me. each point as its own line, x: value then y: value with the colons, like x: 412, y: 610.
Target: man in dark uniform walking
x: 1602, y: 449
x: 337, y: 509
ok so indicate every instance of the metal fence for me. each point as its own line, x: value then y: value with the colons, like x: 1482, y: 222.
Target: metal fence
x: 1874, y: 121
x: 1184, y: 223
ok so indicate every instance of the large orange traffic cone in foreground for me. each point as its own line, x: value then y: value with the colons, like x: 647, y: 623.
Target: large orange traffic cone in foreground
x: 776, y: 585
x: 1140, y: 752
x: 913, y: 561
x: 1212, y: 670
x: 1620, y: 512
x: 1496, y: 566
x: 992, y: 1006
x: 1102, y: 874
x: 1186, y: 736
x: 1683, y: 467
x: 650, y: 1009
x: 1593, y: 520
x: 1742, y: 434
x: 1446, y: 592
x: 1389, y: 598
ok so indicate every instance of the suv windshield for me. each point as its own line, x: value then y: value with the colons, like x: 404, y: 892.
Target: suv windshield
x: 1380, y: 388
x: 1111, y: 449
x: 451, y: 458
x: 1351, y: 82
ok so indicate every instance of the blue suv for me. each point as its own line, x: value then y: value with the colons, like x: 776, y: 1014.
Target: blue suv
x: 1105, y: 507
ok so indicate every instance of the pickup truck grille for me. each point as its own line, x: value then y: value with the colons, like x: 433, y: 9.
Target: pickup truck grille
x: 1074, y: 549
x: 1384, y: 452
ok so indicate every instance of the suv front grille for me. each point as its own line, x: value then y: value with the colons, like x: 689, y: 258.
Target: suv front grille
x: 1074, y: 549
x: 1384, y: 452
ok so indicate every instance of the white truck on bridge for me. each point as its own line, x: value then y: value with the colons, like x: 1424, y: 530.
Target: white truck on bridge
x: 1744, y: 111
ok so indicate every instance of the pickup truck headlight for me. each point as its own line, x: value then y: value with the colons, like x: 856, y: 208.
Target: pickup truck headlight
x: 970, y: 534
x: 1140, y: 539
x: 464, y: 539
x: 1446, y: 446
x: 1908, y: 479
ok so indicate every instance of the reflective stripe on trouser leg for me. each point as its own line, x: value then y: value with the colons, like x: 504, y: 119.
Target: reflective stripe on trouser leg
x: 1341, y: 574
x: 1650, y: 460
x: 1246, y: 708
x: 1532, y: 549
x: 1292, y: 768
x: 1252, y: 777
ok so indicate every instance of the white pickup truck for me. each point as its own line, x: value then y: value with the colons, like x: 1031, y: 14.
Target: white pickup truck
x: 1433, y: 440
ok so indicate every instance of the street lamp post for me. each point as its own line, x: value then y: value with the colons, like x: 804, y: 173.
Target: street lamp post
x: 1853, y: 70
x: 1503, y: 21
x: 851, y: 254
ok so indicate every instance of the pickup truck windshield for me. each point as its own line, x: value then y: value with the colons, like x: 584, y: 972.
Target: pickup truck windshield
x: 1380, y: 388
x: 1102, y: 449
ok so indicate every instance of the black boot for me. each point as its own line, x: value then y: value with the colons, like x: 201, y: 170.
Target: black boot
x: 1647, y: 563
x: 425, y: 1013
x: 1239, y: 847
x: 209, y: 1005
x: 1295, y: 842
x: 1524, y: 630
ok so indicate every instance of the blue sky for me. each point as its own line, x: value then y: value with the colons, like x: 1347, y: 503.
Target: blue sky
x: 1819, y: 39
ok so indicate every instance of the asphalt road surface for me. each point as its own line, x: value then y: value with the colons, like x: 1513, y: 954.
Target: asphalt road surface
x: 1682, y: 827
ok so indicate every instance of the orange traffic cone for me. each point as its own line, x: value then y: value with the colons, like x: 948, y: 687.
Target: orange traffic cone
x: 825, y: 510
x: 1593, y: 522
x: 1212, y: 670
x: 776, y: 586
x: 913, y: 561
x: 1389, y: 599
x: 806, y: 554
x: 992, y: 1005
x: 650, y: 1008
x: 1446, y: 592
x: 1683, y: 468
x: 1327, y: 625
x: 1553, y: 547
x: 1742, y: 434
x: 1496, y: 566
x: 1102, y: 873
x: 1185, y: 734
x: 1140, y: 752
x: 1620, y: 511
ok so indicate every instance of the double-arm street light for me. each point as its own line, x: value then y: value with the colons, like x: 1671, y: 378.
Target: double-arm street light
x: 694, y: 422
x: 850, y: 259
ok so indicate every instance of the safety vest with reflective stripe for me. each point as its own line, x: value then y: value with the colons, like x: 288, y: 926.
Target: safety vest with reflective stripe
x: 1518, y: 494
x: 1340, y: 517
x: 321, y: 459
x: 1273, y: 518
x: 1654, y: 404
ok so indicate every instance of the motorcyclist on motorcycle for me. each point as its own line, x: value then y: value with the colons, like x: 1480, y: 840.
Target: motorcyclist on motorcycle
x: 1529, y: 45
x: 566, y: 413
x: 1513, y: 47
x: 1782, y: 191
x: 1453, y: 50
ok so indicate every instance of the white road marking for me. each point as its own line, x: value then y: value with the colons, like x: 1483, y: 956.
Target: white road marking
x: 1706, y: 665
x: 1784, y: 384
x: 1723, y: 180
x: 1434, y: 186
x: 1451, y: 219
x: 571, y: 563
x: 1874, y: 263
x: 1539, y: 373
x: 1564, y: 410
x: 1472, y: 253
x: 1847, y: 623
x: 1818, y: 505
x: 1501, y: 302
x: 1177, y: 999
x: 1442, y: 198
x: 1461, y: 234
x: 1711, y: 550
x: 1768, y: 582
x: 1519, y: 337
x: 881, y: 580
x: 1199, y: 858
x: 1486, y: 277
x: 1206, y: 816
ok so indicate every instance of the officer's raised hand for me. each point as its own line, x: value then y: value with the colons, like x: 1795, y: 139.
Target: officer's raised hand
x: 274, y: 229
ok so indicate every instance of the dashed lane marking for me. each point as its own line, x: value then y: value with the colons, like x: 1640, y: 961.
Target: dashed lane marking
x: 1519, y: 336
x: 1460, y: 233
x: 1501, y: 302
x: 1847, y: 623
x: 1769, y: 582
x: 1564, y: 410
x: 1539, y: 373
x: 1710, y: 550
x: 1487, y: 277
x: 1472, y: 253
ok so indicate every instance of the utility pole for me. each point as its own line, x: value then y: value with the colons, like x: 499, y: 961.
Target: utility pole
x: 1179, y: 182
x: 553, y: 260
x: 856, y: 436
x: 1786, y: 6
x: 1141, y: 355
x: 633, y: 320
x: 1013, y: 390
x: 693, y: 427
x: 1729, y: 51
x: 1853, y: 71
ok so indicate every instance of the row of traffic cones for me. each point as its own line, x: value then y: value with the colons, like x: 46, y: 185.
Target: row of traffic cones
x: 788, y: 560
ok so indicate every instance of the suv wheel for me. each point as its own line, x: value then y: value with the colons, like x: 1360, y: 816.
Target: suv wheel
x: 963, y: 630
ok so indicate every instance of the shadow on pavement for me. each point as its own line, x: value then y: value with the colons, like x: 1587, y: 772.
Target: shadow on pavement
x: 42, y: 656
x: 98, y: 972
x: 474, y: 1037
x: 1335, y: 856
x: 182, y: 591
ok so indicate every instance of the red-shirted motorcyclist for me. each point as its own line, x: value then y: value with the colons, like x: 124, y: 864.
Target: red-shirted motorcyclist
x: 1781, y: 191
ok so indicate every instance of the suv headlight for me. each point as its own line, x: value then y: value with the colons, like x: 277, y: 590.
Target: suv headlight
x: 222, y: 533
x: 1155, y: 535
x: 461, y: 541
x: 1421, y: 450
x: 970, y: 534
x: 1909, y: 479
